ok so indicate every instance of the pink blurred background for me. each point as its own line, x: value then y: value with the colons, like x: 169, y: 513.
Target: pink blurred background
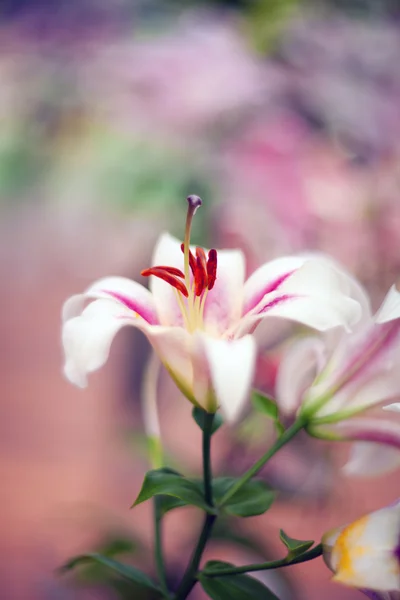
x: 284, y: 118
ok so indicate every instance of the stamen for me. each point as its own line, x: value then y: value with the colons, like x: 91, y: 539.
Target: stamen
x: 170, y: 270
x: 164, y: 274
x: 200, y: 278
x: 212, y: 268
x: 194, y: 202
x: 192, y: 260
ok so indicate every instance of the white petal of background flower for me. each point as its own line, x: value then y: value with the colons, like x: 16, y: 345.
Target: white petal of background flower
x: 390, y: 308
x: 369, y: 546
x: 370, y: 460
x: 297, y: 370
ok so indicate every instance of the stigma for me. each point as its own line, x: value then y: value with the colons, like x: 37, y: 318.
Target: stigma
x: 197, y: 278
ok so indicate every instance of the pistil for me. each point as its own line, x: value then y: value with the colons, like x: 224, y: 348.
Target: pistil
x: 202, y: 268
x: 193, y: 204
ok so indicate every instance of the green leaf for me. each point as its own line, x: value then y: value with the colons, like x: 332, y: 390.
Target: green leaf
x: 126, y: 571
x: 234, y: 587
x: 253, y: 498
x: 264, y: 404
x: 168, y: 503
x: 165, y: 482
x: 268, y: 407
x: 198, y: 415
x: 295, y: 547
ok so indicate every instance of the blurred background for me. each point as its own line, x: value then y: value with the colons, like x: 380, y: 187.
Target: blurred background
x: 284, y: 116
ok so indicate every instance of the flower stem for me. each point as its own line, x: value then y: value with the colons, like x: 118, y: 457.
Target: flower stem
x: 280, y: 442
x: 158, y: 548
x: 189, y: 579
x: 207, y: 473
x: 276, y: 564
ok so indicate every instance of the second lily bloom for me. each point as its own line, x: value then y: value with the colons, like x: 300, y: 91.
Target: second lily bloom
x: 347, y: 386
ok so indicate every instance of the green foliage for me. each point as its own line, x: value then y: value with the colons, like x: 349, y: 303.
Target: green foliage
x: 268, y: 407
x: 234, y: 587
x: 166, y: 482
x: 295, y: 547
x: 199, y: 415
x: 254, y: 498
x: 266, y: 20
x: 264, y: 405
x: 126, y: 571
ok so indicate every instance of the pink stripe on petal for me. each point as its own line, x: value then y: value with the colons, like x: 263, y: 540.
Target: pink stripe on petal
x: 368, y: 430
x: 135, y: 306
x: 275, y: 302
x: 369, y: 350
x: 271, y: 286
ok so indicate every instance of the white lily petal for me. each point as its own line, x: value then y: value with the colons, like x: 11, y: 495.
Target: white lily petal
x: 364, y: 554
x: 362, y: 429
x: 174, y: 346
x: 224, y: 302
x: 297, y: 370
x: 231, y: 365
x: 368, y: 460
x: 395, y: 407
x: 390, y: 308
x: 312, y: 296
x: 324, y: 284
x: 328, y: 541
x: 348, y: 285
x: 167, y: 252
x: 87, y: 338
x: 268, y: 279
x: 361, y: 393
x: 201, y: 378
x: 129, y: 293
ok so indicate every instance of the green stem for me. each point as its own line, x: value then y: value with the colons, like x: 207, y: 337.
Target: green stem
x: 158, y: 548
x: 189, y: 579
x: 207, y: 473
x: 281, y: 441
x: 276, y: 564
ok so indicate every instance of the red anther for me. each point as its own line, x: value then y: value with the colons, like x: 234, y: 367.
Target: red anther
x: 171, y: 278
x: 170, y: 270
x: 211, y: 268
x: 200, y: 277
x: 201, y: 256
x: 192, y: 260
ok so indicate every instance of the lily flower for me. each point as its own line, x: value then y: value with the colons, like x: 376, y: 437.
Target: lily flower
x: 347, y: 387
x: 199, y: 315
x: 366, y: 553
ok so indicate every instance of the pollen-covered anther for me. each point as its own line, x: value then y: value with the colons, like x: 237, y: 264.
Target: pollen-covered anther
x: 212, y: 268
x: 170, y: 275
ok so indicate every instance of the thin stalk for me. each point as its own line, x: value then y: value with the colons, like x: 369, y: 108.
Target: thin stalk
x: 276, y: 564
x: 207, y: 473
x: 189, y: 579
x: 280, y: 442
x: 158, y: 553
